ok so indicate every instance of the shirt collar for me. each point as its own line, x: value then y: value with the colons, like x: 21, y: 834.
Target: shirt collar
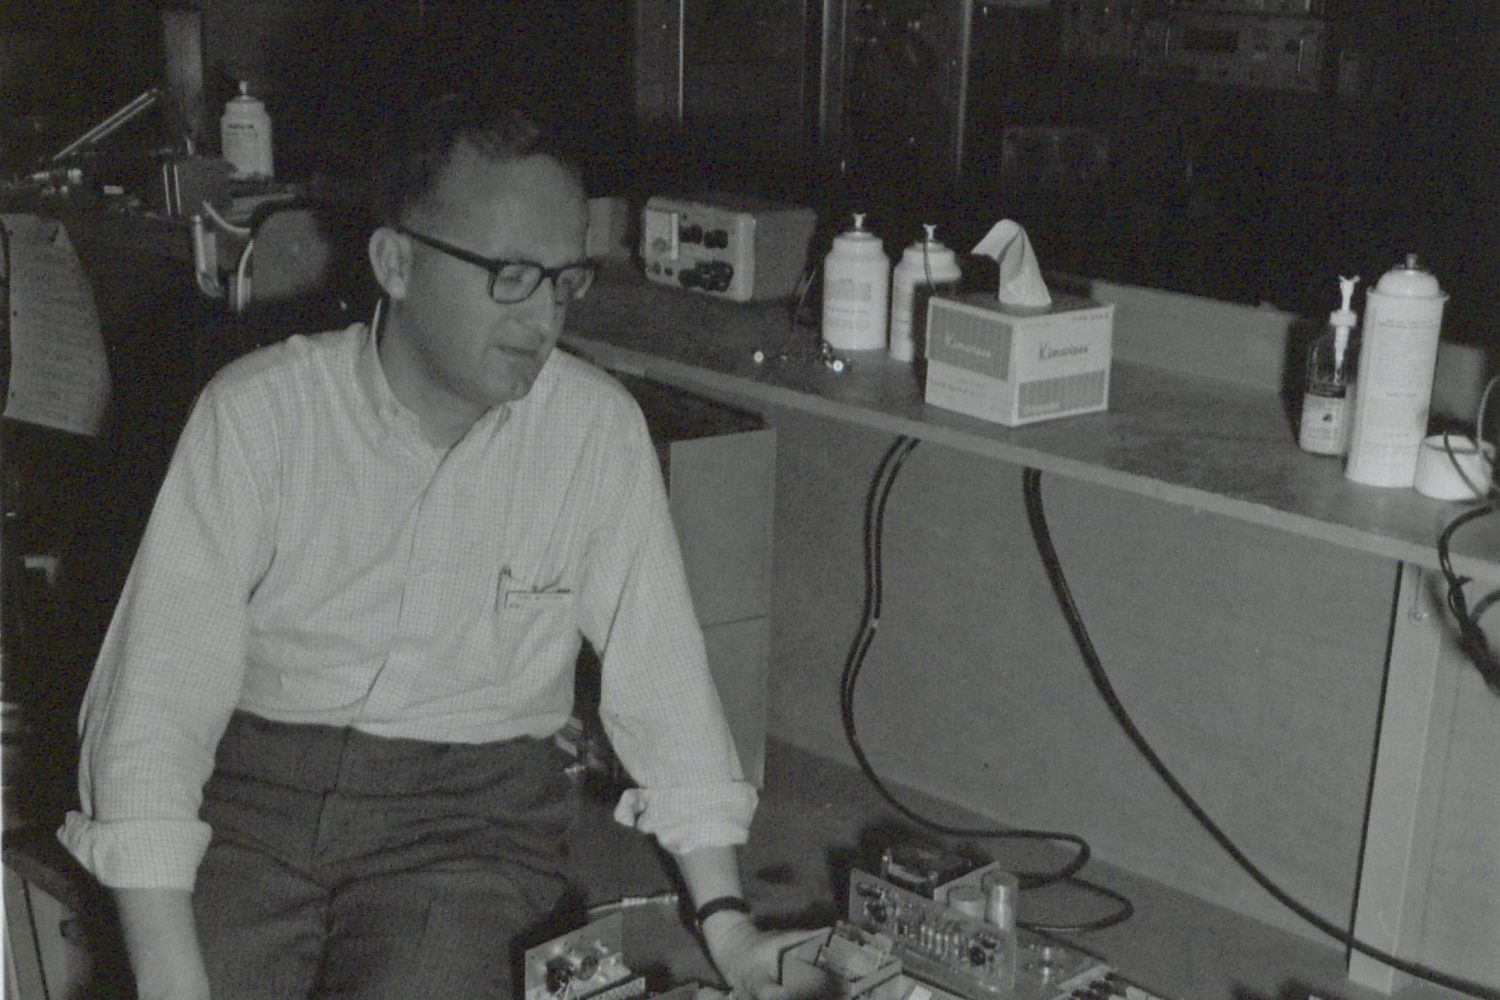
x: 388, y: 411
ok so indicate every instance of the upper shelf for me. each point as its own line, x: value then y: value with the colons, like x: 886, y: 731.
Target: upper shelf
x: 1223, y: 442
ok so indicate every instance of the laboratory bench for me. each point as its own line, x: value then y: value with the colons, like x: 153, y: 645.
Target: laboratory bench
x: 1334, y: 719
x: 1198, y: 412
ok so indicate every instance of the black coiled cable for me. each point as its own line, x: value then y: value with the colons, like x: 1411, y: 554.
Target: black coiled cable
x: 875, y: 504
x: 1471, y: 638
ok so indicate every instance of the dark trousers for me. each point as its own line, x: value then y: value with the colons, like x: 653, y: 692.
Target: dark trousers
x: 354, y: 867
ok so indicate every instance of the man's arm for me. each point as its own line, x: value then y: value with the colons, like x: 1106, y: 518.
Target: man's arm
x: 163, y: 944
x: 662, y: 713
x: 167, y: 677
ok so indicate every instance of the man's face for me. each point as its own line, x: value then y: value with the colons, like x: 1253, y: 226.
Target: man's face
x: 450, y: 351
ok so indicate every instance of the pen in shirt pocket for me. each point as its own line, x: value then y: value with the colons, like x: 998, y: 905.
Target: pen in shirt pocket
x: 516, y: 595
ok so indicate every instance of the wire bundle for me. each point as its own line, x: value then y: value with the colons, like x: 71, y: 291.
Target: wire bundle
x: 1031, y: 485
x: 875, y: 505
x: 1471, y: 637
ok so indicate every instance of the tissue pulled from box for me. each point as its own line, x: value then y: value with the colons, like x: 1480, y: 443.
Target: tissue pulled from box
x: 1021, y: 282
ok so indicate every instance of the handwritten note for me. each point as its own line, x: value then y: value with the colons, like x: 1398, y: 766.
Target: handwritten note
x: 59, y: 374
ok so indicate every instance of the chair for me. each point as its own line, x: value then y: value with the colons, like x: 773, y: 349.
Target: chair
x: 299, y: 266
x: 304, y: 261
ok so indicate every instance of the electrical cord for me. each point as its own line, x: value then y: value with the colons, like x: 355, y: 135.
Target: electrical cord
x: 1041, y: 533
x: 1471, y: 638
x: 223, y: 223
x: 786, y: 352
x: 604, y: 909
x: 799, y: 299
x: 880, y: 490
x: 1474, y: 488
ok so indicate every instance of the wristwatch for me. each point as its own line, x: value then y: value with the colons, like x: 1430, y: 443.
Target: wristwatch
x: 718, y: 905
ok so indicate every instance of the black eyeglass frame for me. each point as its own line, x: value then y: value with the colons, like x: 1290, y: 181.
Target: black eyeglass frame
x: 495, y: 266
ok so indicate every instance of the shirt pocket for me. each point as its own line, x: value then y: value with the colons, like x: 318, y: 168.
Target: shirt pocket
x: 528, y: 632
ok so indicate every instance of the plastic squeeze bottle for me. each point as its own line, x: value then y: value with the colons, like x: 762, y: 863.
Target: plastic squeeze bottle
x: 926, y: 266
x: 856, y: 290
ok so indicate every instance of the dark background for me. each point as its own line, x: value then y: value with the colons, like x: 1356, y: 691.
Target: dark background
x: 1251, y: 195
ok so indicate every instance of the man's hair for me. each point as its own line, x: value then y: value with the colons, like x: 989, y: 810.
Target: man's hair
x: 413, y: 148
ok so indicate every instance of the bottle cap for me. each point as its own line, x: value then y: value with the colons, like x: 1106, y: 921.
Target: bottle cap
x: 243, y: 102
x: 860, y: 240
x: 928, y: 242
x: 1409, y: 279
x: 931, y: 253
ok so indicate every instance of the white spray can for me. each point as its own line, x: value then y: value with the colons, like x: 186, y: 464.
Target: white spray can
x: 1397, y: 361
x: 856, y: 290
x: 926, y: 265
x: 245, y: 136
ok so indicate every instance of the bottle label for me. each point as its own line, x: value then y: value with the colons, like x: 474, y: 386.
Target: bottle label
x: 850, y: 290
x: 1324, y: 425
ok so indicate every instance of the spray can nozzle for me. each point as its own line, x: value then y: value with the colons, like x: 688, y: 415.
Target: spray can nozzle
x: 1344, y: 315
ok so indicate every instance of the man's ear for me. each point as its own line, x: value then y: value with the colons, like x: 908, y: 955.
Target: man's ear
x: 390, y: 259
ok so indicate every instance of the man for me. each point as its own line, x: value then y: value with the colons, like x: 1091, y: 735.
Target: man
x: 316, y: 757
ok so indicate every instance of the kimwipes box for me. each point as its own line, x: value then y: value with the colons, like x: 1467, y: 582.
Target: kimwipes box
x: 1017, y: 365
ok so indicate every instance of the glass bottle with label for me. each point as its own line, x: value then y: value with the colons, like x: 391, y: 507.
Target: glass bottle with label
x: 1327, y: 401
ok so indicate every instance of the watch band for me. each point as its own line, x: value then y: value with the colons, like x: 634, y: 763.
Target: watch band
x: 718, y: 905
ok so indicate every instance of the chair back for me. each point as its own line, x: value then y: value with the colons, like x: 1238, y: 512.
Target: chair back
x: 306, y: 263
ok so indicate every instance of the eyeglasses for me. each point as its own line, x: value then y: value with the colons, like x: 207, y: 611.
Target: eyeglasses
x: 513, y: 281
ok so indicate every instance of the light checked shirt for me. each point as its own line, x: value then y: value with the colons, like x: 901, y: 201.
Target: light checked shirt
x: 311, y: 558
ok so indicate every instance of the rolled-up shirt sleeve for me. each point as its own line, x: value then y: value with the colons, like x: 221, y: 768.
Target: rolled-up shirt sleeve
x: 658, y: 702
x: 172, y: 662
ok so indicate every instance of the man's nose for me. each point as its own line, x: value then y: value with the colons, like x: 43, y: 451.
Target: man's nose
x: 549, y: 282
x: 543, y: 306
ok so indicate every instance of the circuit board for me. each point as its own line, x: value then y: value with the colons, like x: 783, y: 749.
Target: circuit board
x: 951, y: 955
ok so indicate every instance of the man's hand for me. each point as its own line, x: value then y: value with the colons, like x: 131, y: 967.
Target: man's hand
x: 750, y: 959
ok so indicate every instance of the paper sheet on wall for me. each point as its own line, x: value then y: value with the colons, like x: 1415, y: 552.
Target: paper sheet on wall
x: 59, y: 374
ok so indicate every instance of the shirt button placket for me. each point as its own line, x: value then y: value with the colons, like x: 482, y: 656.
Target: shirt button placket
x: 421, y: 605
